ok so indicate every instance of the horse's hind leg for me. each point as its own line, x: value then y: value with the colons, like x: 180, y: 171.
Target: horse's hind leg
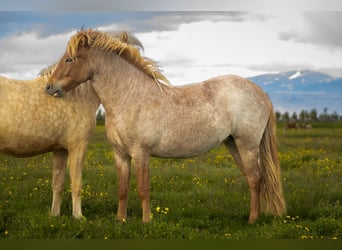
x: 247, y: 159
x: 59, y: 161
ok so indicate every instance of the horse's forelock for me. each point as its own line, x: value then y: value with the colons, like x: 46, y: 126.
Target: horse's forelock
x: 79, y: 39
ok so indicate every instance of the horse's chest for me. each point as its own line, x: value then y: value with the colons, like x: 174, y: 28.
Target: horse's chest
x: 118, y: 136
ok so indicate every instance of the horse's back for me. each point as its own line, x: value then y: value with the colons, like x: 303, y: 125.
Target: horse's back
x: 4, y: 85
x: 240, y: 94
x: 4, y: 80
x: 239, y: 86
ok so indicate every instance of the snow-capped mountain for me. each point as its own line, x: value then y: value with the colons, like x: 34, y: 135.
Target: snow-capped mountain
x: 302, y: 90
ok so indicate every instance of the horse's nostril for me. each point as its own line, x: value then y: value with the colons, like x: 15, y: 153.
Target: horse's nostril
x: 48, y: 87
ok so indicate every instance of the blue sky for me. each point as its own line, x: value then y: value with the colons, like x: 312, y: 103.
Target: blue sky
x: 190, y: 46
x: 47, y: 23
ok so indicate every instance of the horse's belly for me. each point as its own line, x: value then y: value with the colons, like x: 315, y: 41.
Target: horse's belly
x: 23, y: 147
x: 25, y: 152
x: 186, y: 147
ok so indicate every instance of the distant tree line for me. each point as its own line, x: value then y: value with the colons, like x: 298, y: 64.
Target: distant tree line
x: 308, y: 116
x: 100, y: 116
x: 302, y: 116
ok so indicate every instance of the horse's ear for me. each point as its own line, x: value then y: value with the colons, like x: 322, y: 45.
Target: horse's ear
x: 124, y: 37
x: 83, y: 41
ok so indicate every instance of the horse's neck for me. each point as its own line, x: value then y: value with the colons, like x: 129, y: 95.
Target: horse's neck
x: 86, y: 93
x: 119, y: 83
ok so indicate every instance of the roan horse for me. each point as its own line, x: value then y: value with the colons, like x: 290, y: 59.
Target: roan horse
x: 33, y: 123
x: 145, y: 116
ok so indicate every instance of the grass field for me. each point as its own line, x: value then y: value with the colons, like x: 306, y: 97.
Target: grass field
x: 198, y: 198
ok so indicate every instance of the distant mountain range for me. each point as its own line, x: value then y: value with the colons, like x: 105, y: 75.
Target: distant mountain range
x: 302, y: 90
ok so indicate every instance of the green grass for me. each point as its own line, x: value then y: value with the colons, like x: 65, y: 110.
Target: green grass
x: 199, y: 198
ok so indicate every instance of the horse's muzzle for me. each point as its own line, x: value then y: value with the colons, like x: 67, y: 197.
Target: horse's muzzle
x: 54, y: 91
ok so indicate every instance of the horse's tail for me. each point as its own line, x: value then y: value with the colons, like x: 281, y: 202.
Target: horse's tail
x: 271, y: 194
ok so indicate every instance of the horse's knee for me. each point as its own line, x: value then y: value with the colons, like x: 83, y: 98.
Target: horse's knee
x: 123, y: 192
x: 57, y: 187
x: 143, y: 191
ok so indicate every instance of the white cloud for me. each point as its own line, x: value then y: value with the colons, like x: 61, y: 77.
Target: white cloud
x: 196, y: 46
x: 320, y: 28
x: 23, y: 56
x: 203, y: 49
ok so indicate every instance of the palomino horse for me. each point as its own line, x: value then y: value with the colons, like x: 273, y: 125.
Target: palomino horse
x: 33, y: 123
x: 145, y: 116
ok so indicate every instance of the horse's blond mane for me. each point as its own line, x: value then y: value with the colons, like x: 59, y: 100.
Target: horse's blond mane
x: 47, y: 72
x: 121, y: 47
x: 122, y: 35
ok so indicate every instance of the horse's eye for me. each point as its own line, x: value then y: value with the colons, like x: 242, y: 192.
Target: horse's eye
x: 68, y: 60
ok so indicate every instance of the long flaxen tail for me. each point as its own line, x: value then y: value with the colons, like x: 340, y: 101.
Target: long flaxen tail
x: 271, y: 194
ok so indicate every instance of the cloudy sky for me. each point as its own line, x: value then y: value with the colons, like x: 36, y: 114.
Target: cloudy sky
x: 189, y: 45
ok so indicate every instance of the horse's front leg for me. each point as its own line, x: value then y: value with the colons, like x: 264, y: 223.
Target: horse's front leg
x: 142, y: 170
x: 59, y: 161
x: 123, y: 166
x: 76, y: 158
